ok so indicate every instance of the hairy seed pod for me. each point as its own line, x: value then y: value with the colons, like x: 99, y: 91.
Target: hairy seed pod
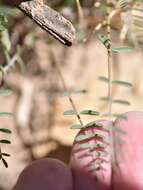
x: 47, y: 18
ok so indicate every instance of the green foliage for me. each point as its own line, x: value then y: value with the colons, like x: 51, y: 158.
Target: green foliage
x: 5, y: 114
x: 4, y: 162
x: 4, y: 93
x: 69, y: 3
x: 106, y: 42
x: 103, y: 78
x: 5, y: 41
x: 115, y: 82
x: 116, y: 101
x: 123, y: 102
x: 93, y: 145
x: 5, y: 130
x: 6, y: 44
x: 4, y: 36
x: 122, y: 50
x: 120, y: 116
x: 84, y: 137
x: 122, y: 83
x: 84, y: 112
x: 76, y: 126
x: 89, y: 112
x: 94, y: 125
x: 70, y: 112
x: 3, y: 23
x: 7, y: 11
x: 76, y: 92
x: 3, y: 141
x: 106, y: 98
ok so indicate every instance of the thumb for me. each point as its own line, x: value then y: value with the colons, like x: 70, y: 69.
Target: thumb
x: 45, y: 174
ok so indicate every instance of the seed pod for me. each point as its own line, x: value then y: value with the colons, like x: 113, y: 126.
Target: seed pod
x: 49, y: 20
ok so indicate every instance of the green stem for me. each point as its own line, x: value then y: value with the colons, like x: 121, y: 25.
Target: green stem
x: 66, y: 89
x: 109, y: 54
x: 109, y: 51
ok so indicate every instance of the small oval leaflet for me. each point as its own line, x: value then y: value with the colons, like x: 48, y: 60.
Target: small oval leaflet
x: 115, y: 82
x: 123, y: 102
x: 106, y: 98
x: 5, y: 141
x: 5, y: 130
x: 5, y: 92
x: 76, y: 126
x: 122, y: 83
x: 5, y: 154
x: 88, y: 136
x: 70, y: 112
x: 122, y: 50
x: 89, y: 112
x: 5, y: 162
x: 93, y: 124
x: 115, y: 101
x: 5, y: 114
x: 84, y: 137
x: 76, y: 92
x: 103, y: 79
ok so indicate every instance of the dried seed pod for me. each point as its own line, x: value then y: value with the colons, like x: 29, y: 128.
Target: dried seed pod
x: 49, y: 20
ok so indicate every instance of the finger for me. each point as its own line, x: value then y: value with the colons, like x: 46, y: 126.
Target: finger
x: 84, y: 162
x: 45, y: 174
x: 129, y: 173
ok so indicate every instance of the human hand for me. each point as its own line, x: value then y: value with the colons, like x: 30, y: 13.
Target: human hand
x: 50, y: 174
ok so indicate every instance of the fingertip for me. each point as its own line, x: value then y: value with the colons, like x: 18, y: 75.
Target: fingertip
x: 45, y: 174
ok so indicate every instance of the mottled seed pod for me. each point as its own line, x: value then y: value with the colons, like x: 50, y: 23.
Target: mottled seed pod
x: 47, y: 18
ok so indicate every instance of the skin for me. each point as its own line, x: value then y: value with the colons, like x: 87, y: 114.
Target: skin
x: 45, y: 174
x: 128, y: 175
x: 131, y: 155
x: 83, y: 179
x: 50, y: 174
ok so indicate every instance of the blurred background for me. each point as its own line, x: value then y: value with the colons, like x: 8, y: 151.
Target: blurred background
x: 38, y: 101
